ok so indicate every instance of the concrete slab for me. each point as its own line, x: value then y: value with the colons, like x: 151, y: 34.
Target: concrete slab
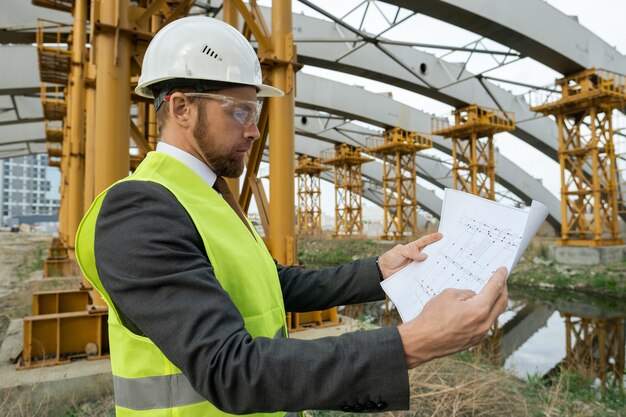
x: 575, y: 255
x: 47, y: 391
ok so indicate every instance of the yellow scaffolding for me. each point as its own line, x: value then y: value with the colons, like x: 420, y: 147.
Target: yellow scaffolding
x: 472, y: 131
x: 583, y: 105
x: 309, y: 213
x: 119, y: 32
x: 397, y: 148
x: 347, y: 161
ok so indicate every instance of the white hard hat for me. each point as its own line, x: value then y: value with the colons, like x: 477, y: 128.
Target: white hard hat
x: 204, y: 49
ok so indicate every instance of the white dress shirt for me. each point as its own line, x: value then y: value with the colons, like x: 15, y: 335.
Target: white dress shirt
x: 196, y: 165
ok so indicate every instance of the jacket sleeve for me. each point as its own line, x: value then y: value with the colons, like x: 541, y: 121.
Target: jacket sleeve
x: 311, y: 289
x: 151, y: 261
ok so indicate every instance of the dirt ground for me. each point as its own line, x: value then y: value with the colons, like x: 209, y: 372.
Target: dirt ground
x: 22, y: 256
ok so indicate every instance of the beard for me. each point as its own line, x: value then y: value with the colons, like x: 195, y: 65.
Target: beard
x: 224, y: 166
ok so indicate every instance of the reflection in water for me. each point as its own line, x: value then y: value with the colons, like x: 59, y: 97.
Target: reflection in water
x: 539, y: 354
x: 595, y: 346
x: 587, y: 335
x: 544, y: 330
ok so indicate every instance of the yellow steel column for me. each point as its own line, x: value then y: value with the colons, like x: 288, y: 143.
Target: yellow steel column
x: 90, y: 117
x: 90, y: 143
x: 596, y: 186
x: 565, y: 219
x: 230, y: 13
x: 473, y: 164
x: 112, y: 99
x: 62, y: 208
x: 63, y: 215
x: 281, y: 240
x: 76, y: 125
x: 491, y: 169
x: 112, y: 126
x: 153, y: 132
x: 231, y: 16
x: 614, y: 185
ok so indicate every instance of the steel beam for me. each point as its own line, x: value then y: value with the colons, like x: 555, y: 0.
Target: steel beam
x: 76, y: 126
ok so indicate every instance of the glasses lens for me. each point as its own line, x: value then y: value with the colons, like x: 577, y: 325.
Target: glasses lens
x: 243, y: 116
x: 245, y: 112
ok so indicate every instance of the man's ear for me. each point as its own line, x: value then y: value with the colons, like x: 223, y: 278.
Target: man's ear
x: 180, y: 109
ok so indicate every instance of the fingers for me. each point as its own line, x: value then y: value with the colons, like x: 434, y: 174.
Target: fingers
x: 413, y: 249
x: 494, y: 294
x: 494, y: 287
x: 426, y: 240
x: 499, y: 306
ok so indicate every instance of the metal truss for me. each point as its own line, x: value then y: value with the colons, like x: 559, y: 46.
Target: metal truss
x: 364, y: 8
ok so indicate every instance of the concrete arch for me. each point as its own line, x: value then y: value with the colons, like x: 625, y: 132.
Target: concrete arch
x: 533, y: 27
x: 401, y: 66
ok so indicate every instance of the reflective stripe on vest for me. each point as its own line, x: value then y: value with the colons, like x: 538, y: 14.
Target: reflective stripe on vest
x: 154, y: 392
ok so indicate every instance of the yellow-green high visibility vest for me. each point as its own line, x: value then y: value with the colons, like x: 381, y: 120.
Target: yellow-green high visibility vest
x: 145, y: 382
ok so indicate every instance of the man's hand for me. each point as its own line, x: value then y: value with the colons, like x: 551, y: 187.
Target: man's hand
x: 453, y: 321
x: 401, y: 255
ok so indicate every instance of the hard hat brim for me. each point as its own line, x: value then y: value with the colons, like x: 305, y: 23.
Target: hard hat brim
x: 263, y: 90
x: 268, y: 91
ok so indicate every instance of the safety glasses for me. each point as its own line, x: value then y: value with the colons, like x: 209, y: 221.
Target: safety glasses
x: 245, y: 112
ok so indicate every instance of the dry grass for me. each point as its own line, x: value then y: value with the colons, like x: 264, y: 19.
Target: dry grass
x: 33, y: 402
x: 464, y: 386
x: 452, y: 387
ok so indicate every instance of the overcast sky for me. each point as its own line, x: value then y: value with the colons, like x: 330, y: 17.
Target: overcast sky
x: 603, y: 17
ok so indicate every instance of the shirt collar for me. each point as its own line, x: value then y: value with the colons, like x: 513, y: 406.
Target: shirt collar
x: 200, y: 168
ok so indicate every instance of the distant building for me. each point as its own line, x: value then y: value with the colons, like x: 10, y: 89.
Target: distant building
x: 26, y: 188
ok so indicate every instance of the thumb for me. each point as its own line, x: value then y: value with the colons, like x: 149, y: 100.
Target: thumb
x: 494, y: 287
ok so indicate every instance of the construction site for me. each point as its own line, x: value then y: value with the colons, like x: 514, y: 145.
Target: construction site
x: 514, y: 103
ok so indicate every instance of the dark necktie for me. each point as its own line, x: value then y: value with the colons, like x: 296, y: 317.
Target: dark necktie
x: 222, y: 187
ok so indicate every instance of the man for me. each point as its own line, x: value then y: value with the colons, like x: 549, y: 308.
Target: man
x: 197, y: 305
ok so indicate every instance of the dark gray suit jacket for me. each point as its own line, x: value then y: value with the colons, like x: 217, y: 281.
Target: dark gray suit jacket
x: 152, y: 262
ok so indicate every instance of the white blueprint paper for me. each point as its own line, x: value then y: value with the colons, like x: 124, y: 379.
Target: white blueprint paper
x: 479, y: 236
